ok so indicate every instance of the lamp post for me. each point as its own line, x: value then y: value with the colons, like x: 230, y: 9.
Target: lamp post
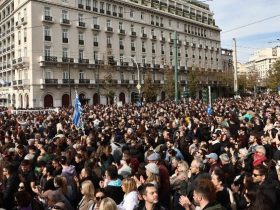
x: 138, y: 86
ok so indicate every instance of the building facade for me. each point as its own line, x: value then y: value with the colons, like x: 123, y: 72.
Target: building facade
x: 262, y: 61
x: 51, y: 49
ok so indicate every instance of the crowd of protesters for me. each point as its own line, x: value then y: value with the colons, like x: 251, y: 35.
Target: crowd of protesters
x: 160, y: 156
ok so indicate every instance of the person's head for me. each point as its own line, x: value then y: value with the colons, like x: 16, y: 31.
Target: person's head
x: 126, y: 155
x: 212, y: 158
x: 260, y: 150
x: 48, y: 170
x: 196, y: 166
x: 23, y: 198
x: 182, y: 166
x: 52, y: 197
x: 224, y: 159
x: 152, y: 169
x: 150, y: 194
x: 8, y: 170
x: 87, y: 189
x: 129, y: 185
x: 259, y: 173
x: 85, y: 172
x: 25, y: 166
x: 108, y: 204
x: 55, y: 163
x: 21, y: 186
x: 204, y: 192
x: 252, y: 139
x: 112, y: 172
x: 99, y: 195
x: 61, y: 183
x: 218, y: 178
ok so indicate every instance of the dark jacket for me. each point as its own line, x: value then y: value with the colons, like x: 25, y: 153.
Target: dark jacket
x: 114, y: 192
x: 156, y: 207
x: 10, y: 188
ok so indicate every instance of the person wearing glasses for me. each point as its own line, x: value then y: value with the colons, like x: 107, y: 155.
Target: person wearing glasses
x: 21, y: 186
x: 99, y: 195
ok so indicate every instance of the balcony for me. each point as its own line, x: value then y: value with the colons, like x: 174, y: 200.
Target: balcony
x: 108, y: 12
x: 109, y: 45
x: 84, y: 81
x: 23, y: 20
x: 65, y: 22
x: 109, y: 30
x: 67, y: 60
x: 124, y: 81
x: 64, y: 40
x: 121, y: 31
x: 102, y: 11
x: 156, y: 66
x: 121, y: 47
x: 48, y: 38
x: 51, y: 81
x: 14, y: 61
x: 22, y: 61
x: 153, y: 37
x: 88, y: 8
x: 51, y: 59
x: 153, y: 51
x: 133, y: 33
x: 120, y: 15
x: 157, y: 82
x: 83, y: 61
x: 96, y: 27
x: 80, y: 6
x: 162, y: 52
x: 182, y: 68
x: 47, y: 18
x: 115, y: 14
x: 143, y: 49
x: 81, y: 24
x: 68, y: 81
x: 162, y: 39
x: 95, y: 44
x: 95, y: 9
x: 81, y: 42
x: 152, y: 22
x: 144, y: 36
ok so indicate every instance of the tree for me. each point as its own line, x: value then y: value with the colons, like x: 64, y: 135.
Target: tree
x: 169, y: 84
x: 149, y: 89
x: 273, y: 79
x: 193, y: 81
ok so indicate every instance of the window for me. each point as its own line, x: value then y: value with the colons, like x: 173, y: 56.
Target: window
x: 25, y: 35
x: 81, y: 74
x: 65, y: 52
x: 169, y: 23
x: 65, y: 74
x: 102, y: 5
x: 94, y: 4
x: 120, y: 25
x: 25, y: 51
x: 131, y: 13
x: 47, y: 31
x: 142, y: 15
x: 47, y: 11
x: 115, y: 8
x: 108, y: 7
x: 162, y: 34
x: 132, y: 43
x: 64, y: 15
x: 142, y: 30
x: 95, y: 20
x: 87, y: 2
x: 108, y: 40
x: 152, y: 32
x: 80, y: 17
x: 120, y: 10
x: 121, y: 41
x: 132, y: 28
x: 143, y: 44
x: 95, y: 55
x: 95, y: 38
x: 48, y: 74
x: 121, y: 76
x: 64, y: 33
x: 80, y: 2
x: 47, y: 51
x: 108, y: 23
x: 81, y: 36
x: 81, y: 54
x: 121, y: 58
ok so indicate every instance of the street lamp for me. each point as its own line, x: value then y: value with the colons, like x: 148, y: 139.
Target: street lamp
x: 138, y: 86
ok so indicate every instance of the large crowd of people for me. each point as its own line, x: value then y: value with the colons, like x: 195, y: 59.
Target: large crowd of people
x: 159, y: 156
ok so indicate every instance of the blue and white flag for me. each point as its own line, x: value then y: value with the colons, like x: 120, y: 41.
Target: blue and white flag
x: 76, y: 119
x: 209, y: 110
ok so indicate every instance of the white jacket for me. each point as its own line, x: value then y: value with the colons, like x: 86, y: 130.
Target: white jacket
x: 130, y: 201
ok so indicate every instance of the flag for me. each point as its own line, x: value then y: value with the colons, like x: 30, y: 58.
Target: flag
x: 209, y: 110
x: 76, y: 119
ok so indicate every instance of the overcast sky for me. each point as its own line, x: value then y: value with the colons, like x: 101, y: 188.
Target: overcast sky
x: 230, y: 14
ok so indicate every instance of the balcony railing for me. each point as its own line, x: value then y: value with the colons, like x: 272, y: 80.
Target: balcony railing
x: 65, y: 40
x: 109, y: 29
x: 96, y: 27
x: 88, y: 8
x: 67, y: 81
x: 133, y: 33
x: 65, y: 21
x: 48, y: 18
x: 95, y: 44
x: 80, y: 6
x: 83, y: 61
x: 81, y: 42
x: 50, y: 58
x: 84, y: 81
x: 48, y: 38
x: 82, y: 24
x: 51, y: 81
x: 67, y: 60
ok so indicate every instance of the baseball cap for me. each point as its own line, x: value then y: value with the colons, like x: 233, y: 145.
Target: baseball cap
x: 212, y: 156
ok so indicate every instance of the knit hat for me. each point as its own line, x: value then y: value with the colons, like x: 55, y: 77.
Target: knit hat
x: 153, y: 168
